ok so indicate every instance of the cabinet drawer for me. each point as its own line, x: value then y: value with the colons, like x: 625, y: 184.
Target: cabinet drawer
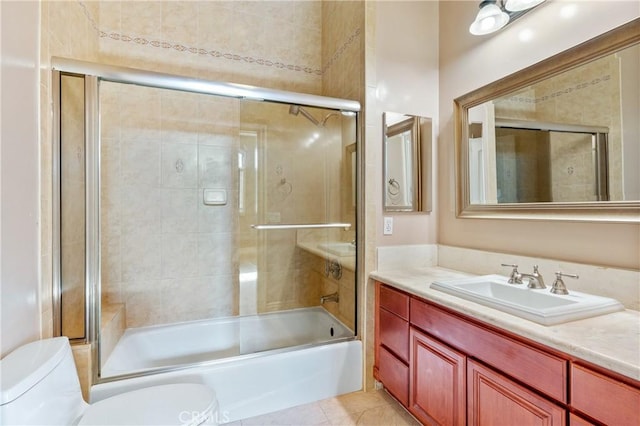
x: 394, y: 301
x: 603, y: 398
x: 540, y: 370
x: 394, y: 375
x: 394, y: 334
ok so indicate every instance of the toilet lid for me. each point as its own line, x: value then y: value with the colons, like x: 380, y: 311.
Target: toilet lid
x: 178, y: 404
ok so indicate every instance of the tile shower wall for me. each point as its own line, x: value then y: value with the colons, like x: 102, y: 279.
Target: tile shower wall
x: 265, y: 43
x: 343, y: 30
x: 281, y: 45
x: 316, y: 283
x: 165, y: 254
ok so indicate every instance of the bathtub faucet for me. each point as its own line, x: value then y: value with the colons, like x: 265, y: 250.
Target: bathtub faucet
x: 333, y: 297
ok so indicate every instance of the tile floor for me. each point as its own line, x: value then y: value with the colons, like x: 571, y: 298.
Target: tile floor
x: 375, y: 408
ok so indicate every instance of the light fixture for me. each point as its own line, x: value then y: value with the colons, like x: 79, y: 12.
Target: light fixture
x: 490, y: 18
x: 495, y: 14
x: 520, y: 5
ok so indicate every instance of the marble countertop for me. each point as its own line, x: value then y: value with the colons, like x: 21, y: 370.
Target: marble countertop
x: 611, y: 341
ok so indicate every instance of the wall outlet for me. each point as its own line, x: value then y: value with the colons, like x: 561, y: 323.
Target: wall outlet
x: 387, y: 228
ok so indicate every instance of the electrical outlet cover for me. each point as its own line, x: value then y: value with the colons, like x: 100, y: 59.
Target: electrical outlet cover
x: 388, y: 226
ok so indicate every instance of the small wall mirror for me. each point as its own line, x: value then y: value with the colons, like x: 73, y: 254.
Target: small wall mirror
x: 407, y: 163
x: 557, y: 140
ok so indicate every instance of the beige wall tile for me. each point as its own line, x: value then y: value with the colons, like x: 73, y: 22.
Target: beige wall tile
x: 82, y: 358
x: 112, y: 327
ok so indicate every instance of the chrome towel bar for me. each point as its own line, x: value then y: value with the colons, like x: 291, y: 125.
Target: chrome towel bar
x: 301, y: 226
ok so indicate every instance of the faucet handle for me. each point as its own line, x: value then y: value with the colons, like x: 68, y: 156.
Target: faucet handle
x: 514, y: 277
x: 558, y: 285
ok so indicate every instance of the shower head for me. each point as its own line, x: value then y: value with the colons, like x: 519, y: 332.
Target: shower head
x: 326, y: 117
x: 297, y: 109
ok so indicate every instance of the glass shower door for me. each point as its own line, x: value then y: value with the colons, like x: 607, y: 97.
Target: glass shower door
x: 301, y: 173
x: 226, y: 215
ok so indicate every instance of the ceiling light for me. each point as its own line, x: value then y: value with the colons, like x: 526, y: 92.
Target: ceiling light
x: 495, y: 14
x: 490, y: 18
x: 519, y: 5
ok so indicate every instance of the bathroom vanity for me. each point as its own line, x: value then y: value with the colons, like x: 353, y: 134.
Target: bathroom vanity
x: 454, y: 362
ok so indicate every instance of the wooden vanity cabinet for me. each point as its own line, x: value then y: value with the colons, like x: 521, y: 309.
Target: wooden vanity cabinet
x: 448, y: 369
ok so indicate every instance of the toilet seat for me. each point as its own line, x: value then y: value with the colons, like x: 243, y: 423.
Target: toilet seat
x: 176, y: 404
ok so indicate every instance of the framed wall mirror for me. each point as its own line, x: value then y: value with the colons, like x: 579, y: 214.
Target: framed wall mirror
x: 407, y: 163
x: 557, y: 140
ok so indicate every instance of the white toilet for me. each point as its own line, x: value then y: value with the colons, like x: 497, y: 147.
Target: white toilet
x: 40, y: 386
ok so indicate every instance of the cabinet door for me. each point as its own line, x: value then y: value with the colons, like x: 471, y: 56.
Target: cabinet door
x: 495, y: 400
x: 437, y: 394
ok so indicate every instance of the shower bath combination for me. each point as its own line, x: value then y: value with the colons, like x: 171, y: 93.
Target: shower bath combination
x: 166, y: 252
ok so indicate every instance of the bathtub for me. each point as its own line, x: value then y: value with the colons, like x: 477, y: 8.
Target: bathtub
x: 256, y: 364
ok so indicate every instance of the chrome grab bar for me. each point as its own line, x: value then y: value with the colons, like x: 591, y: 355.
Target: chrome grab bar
x: 301, y: 226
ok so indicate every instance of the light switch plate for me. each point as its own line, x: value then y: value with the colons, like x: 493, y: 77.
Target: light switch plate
x: 387, y: 228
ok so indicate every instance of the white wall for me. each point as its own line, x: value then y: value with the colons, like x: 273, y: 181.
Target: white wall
x: 405, y: 81
x: 468, y: 62
x: 19, y: 190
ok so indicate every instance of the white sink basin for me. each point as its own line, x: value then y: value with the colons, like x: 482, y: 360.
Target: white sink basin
x: 339, y: 249
x: 539, y: 306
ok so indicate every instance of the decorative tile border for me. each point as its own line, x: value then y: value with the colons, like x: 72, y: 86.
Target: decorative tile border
x: 558, y: 93
x: 216, y: 53
x: 341, y: 50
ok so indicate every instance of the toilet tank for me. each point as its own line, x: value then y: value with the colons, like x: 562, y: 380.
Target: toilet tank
x: 39, y: 385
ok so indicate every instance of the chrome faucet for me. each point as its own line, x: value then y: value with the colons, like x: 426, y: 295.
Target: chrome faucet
x: 333, y: 297
x: 535, y: 279
x: 515, y: 277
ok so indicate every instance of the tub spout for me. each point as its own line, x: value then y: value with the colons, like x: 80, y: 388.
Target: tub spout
x: 333, y: 297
